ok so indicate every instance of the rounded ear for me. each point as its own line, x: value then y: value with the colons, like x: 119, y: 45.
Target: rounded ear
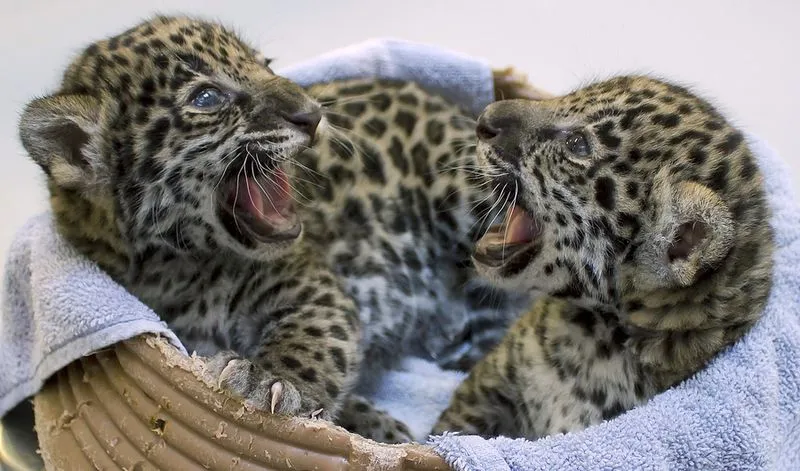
x: 57, y: 132
x: 701, y: 232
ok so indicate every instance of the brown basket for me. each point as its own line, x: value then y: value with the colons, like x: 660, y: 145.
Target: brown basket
x: 140, y: 405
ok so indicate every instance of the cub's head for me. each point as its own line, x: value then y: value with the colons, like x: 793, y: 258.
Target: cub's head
x: 625, y: 191
x: 174, y: 133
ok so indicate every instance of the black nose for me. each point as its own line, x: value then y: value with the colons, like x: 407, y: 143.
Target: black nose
x: 307, y: 121
x: 485, y: 131
x: 496, y: 126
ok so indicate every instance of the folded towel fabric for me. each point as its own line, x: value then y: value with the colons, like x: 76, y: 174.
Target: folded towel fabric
x: 58, y: 307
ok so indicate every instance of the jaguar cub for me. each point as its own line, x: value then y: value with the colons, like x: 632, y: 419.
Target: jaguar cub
x: 640, y: 213
x: 182, y: 165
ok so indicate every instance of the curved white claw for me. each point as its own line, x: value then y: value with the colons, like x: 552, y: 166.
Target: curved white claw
x: 275, y: 391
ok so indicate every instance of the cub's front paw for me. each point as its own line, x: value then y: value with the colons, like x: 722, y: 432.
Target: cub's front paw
x: 465, y: 425
x: 266, y: 390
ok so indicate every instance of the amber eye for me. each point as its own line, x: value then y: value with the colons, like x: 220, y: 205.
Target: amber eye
x: 578, y: 144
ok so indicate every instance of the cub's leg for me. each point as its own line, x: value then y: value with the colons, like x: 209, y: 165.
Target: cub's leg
x: 308, y: 355
x: 487, y: 402
x: 359, y: 415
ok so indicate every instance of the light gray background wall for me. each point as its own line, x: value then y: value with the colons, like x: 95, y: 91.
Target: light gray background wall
x: 743, y: 54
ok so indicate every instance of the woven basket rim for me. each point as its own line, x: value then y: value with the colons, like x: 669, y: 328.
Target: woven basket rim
x: 143, y: 404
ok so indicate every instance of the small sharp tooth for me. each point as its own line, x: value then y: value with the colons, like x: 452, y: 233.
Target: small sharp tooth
x: 495, y: 251
x: 496, y: 229
x: 494, y: 238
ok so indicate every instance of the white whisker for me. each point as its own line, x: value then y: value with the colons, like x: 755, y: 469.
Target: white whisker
x: 508, y: 221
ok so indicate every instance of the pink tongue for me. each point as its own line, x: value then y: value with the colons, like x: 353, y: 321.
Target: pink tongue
x: 521, y: 228
x: 265, y: 199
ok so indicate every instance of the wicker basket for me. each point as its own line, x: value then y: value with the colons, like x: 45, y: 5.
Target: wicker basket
x: 141, y: 405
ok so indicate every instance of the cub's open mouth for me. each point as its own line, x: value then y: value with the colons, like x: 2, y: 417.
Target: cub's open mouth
x: 503, y: 241
x: 258, y: 208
